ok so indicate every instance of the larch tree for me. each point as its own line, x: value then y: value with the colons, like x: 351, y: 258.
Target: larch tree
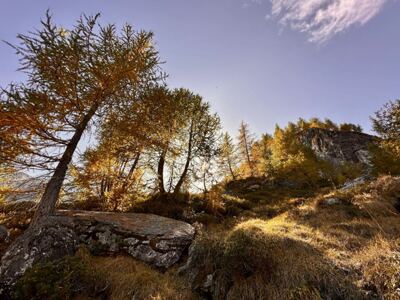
x: 74, y: 77
x: 189, y: 135
x: 245, y: 143
x: 330, y: 125
x: 386, y: 121
x: 262, y: 153
x: 350, y: 127
x: 111, y: 171
x: 168, y: 132
x: 228, y: 157
x: 199, y: 134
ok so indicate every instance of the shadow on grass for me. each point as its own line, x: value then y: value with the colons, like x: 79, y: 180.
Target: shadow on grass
x: 251, y: 262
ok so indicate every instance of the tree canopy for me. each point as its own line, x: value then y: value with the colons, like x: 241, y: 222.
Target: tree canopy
x: 73, y: 78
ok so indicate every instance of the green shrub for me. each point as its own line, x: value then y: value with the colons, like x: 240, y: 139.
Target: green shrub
x: 89, y: 203
x: 385, y: 158
x: 167, y: 205
x: 60, y: 279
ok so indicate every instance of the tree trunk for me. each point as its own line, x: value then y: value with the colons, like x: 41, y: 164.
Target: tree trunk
x: 188, y: 159
x: 205, y: 191
x: 133, y: 167
x: 102, y: 188
x: 247, y: 150
x: 49, y: 198
x: 231, y: 170
x: 128, y: 178
x: 160, y: 172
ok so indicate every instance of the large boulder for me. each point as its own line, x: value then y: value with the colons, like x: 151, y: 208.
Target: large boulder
x: 156, y: 240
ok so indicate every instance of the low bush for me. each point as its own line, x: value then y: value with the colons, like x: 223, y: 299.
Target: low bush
x: 60, y: 279
x: 167, y: 205
x: 385, y: 158
x: 387, y: 187
x: 87, y: 277
x: 89, y: 203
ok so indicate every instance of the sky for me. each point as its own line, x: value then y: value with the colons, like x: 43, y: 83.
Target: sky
x: 265, y: 62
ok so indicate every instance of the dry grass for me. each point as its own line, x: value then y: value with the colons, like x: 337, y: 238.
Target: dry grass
x: 291, y: 265
x: 379, y: 262
x: 281, y: 245
x: 127, y: 278
x: 307, y: 250
x: 261, y: 259
x: 347, y: 250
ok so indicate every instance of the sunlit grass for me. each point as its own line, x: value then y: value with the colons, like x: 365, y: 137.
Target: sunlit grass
x: 306, y: 249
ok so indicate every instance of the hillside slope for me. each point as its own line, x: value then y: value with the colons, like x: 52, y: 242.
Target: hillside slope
x: 341, y: 244
x: 270, y: 243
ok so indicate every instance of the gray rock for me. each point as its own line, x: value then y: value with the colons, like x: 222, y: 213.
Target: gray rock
x: 156, y: 240
x: 339, y: 146
x: 131, y: 241
x: 353, y: 183
x: 254, y: 187
x: 287, y: 184
x: 3, y: 233
x: 208, y: 283
x: 50, y: 241
x: 331, y: 201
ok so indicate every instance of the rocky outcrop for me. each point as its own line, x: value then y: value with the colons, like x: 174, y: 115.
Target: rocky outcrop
x: 156, y: 240
x: 338, y: 146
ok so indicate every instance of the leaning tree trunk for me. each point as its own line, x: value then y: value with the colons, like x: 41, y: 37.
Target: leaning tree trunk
x: 42, y: 232
x: 132, y: 169
x: 160, y: 172
x: 49, y: 198
x: 231, y: 169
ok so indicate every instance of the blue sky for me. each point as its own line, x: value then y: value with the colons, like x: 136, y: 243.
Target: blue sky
x: 262, y: 61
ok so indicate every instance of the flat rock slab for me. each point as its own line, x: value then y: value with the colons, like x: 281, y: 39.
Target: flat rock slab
x: 156, y: 240
x: 140, y: 224
x: 153, y: 239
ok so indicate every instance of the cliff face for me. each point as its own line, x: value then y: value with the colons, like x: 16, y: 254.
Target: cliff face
x: 338, y: 146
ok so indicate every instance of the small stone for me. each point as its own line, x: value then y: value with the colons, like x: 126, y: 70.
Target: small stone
x: 131, y: 241
x: 353, y: 183
x: 208, y: 282
x: 163, y: 245
x: 254, y: 187
x: 3, y: 233
x: 331, y: 201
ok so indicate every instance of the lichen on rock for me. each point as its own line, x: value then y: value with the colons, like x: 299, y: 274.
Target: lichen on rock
x: 153, y: 239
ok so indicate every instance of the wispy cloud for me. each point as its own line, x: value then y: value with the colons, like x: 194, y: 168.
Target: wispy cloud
x: 322, y: 19
x: 248, y: 3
